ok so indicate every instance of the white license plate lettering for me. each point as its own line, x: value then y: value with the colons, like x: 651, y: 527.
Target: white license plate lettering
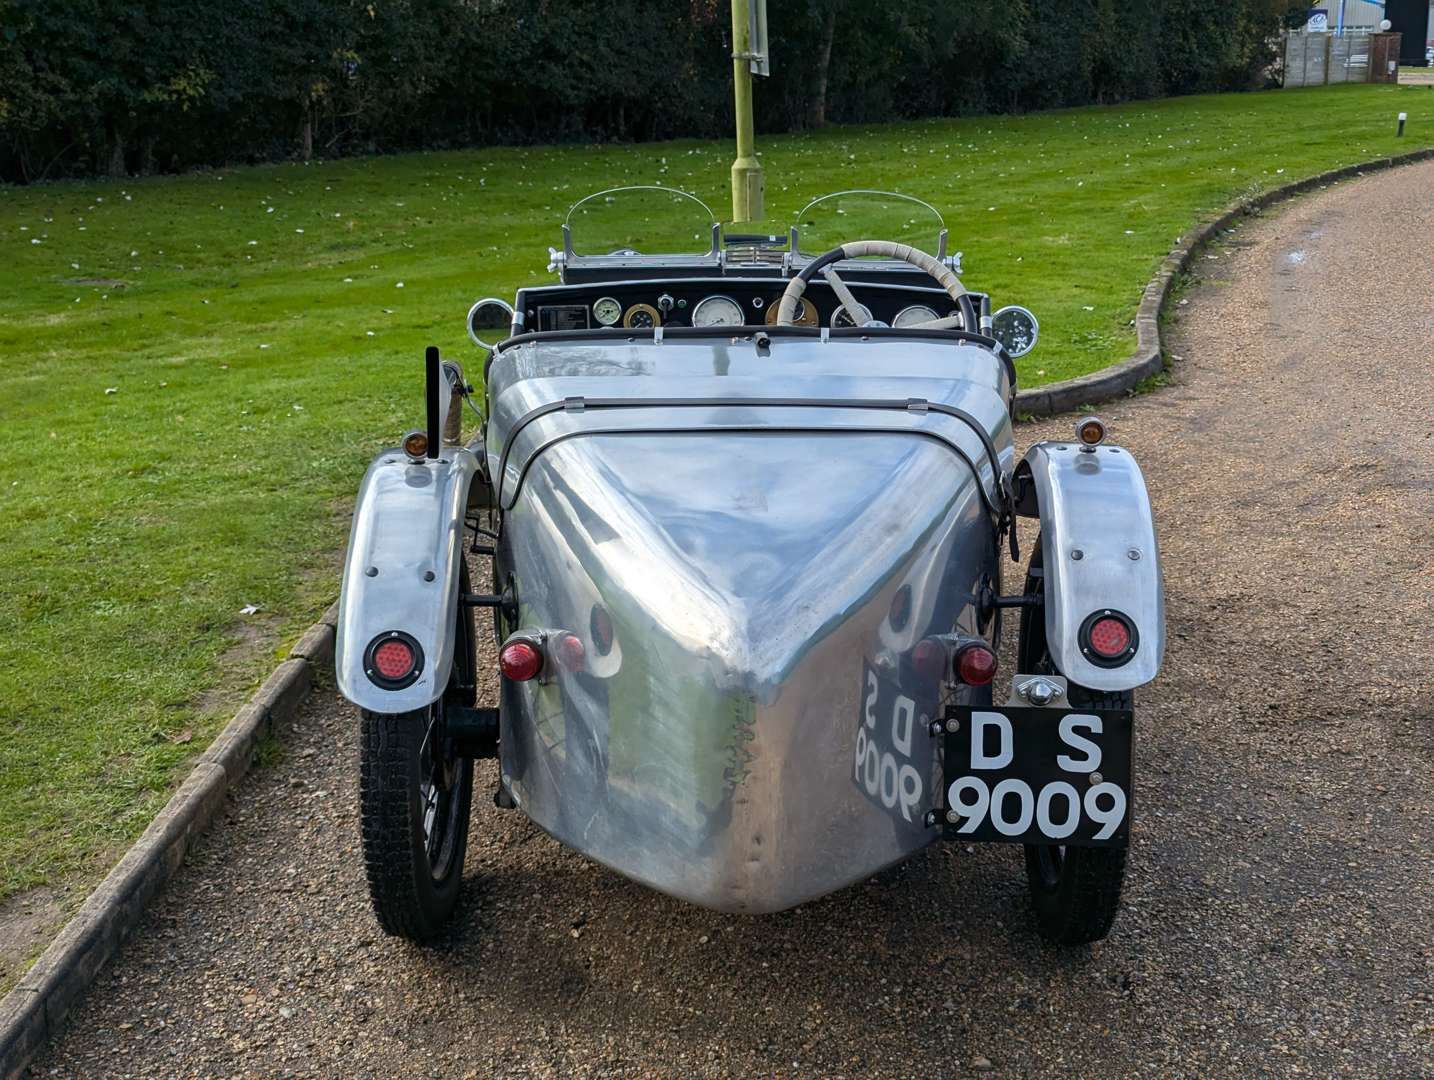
x: 1049, y: 826
x: 1109, y: 815
x: 1002, y: 795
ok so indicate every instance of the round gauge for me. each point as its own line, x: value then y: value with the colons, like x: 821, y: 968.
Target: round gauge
x: 914, y: 315
x: 607, y: 311
x: 641, y: 317
x: 717, y: 311
x: 841, y: 318
x: 806, y: 314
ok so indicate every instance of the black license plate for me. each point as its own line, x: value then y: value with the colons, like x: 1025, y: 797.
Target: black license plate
x: 1038, y: 776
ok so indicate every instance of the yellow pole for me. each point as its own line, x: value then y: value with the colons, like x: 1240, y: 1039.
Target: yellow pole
x: 746, y: 170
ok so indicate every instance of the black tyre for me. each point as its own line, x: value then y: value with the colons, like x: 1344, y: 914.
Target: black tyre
x: 415, y: 798
x: 1075, y: 891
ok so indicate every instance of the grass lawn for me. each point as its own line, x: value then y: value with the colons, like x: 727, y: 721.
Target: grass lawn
x: 194, y: 371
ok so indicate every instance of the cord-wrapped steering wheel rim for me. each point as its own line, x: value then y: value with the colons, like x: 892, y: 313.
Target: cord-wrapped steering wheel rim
x: 825, y: 264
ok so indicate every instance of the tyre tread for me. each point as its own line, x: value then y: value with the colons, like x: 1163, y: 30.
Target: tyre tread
x: 394, y: 862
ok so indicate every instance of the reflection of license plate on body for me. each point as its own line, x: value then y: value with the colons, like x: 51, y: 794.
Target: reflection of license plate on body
x: 894, y: 751
x: 1038, y: 776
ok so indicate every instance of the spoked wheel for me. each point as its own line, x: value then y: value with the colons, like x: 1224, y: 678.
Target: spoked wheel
x: 1075, y: 890
x: 415, y: 795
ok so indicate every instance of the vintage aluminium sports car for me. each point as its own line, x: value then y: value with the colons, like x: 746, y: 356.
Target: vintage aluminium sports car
x: 746, y: 504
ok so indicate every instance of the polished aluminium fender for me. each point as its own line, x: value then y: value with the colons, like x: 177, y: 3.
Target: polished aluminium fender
x: 1098, y: 538
x: 401, y: 572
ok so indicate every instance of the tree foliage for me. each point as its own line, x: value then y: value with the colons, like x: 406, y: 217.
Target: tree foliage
x: 135, y: 86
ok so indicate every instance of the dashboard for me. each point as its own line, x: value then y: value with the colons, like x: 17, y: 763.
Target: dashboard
x: 719, y: 302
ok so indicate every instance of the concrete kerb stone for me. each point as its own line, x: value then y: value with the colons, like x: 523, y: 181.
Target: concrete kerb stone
x: 23, y: 1030
x: 37, y: 1006
x: 1148, y: 359
x: 317, y: 645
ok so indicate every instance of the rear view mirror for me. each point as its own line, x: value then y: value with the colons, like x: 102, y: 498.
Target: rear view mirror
x: 489, y: 321
x: 1016, y: 329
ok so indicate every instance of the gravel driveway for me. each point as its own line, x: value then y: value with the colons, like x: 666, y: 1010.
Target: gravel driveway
x: 1279, y: 918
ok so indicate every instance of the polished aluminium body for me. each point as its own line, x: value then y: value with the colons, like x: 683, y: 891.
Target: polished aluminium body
x: 736, y: 535
x: 748, y: 558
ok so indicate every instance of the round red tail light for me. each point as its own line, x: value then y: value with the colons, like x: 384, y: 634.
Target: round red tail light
x: 1108, y: 638
x: 393, y: 659
x: 520, y: 661
x: 976, y: 665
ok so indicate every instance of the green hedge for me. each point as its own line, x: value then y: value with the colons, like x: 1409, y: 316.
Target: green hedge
x: 138, y: 86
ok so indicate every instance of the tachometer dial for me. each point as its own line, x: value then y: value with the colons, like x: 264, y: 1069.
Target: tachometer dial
x: 607, y: 311
x: 717, y: 311
x: 806, y: 314
x: 841, y: 318
x: 641, y: 317
x: 914, y: 315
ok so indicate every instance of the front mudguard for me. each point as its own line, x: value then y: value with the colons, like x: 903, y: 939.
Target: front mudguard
x: 401, y: 573
x: 1098, y: 538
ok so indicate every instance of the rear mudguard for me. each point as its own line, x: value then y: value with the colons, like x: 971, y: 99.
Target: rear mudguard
x: 401, y: 573
x: 1098, y: 540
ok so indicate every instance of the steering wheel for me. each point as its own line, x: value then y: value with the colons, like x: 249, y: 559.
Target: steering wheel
x: 823, y: 264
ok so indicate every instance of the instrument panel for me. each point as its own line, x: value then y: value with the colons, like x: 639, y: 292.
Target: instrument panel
x: 643, y: 305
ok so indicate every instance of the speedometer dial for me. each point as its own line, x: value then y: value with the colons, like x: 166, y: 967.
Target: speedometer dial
x: 717, y: 311
x: 806, y: 314
x: 914, y: 315
x: 607, y: 311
